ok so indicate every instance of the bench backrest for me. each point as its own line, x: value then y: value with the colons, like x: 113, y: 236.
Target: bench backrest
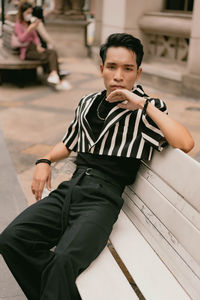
x: 164, y: 205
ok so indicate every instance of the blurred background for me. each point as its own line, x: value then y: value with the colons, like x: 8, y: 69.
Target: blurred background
x: 169, y: 30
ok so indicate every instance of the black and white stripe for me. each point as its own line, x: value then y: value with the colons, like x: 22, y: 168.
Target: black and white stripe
x: 125, y: 133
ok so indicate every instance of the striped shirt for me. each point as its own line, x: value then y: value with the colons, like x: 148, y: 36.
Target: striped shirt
x: 125, y: 133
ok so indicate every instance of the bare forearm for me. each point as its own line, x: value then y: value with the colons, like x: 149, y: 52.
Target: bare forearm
x: 58, y: 152
x: 176, y: 134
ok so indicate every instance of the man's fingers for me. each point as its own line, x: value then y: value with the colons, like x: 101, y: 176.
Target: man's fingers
x: 48, y: 184
x: 34, y: 186
x: 122, y: 105
x: 37, y: 188
x: 41, y: 176
x: 32, y: 189
x: 117, y: 95
x: 40, y: 189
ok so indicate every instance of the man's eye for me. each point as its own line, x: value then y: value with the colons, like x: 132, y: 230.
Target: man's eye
x: 111, y: 67
x: 128, y: 69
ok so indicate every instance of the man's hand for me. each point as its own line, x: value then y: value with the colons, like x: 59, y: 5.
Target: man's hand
x: 130, y: 101
x: 42, y: 173
x: 42, y: 176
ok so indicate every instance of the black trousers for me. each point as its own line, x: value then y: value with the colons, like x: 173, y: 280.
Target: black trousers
x: 77, y: 218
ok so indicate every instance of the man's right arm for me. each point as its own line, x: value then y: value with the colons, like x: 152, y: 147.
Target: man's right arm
x: 42, y: 173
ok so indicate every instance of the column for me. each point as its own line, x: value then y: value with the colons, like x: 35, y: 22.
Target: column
x: 124, y: 15
x: 194, y: 48
x: 113, y: 17
x: 97, y: 7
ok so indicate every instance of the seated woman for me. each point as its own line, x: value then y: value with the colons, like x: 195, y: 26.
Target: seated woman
x: 26, y: 33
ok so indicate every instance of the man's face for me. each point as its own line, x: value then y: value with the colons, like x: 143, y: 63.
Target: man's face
x: 120, y: 69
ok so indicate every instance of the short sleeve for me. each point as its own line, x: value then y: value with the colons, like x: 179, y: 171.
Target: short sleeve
x: 151, y: 133
x: 70, y: 139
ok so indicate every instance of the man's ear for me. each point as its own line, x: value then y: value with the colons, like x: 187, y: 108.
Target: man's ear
x: 138, y: 74
x: 101, y: 68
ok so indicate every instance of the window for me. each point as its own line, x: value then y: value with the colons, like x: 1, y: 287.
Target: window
x: 179, y: 5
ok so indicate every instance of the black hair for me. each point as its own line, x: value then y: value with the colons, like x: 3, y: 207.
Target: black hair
x: 25, y: 6
x: 38, y: 12
x: 123, y: 40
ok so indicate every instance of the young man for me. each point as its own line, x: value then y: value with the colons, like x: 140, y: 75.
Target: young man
x: 111, y: 132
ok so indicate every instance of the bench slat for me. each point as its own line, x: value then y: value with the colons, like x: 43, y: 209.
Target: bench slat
x: 143, y: 264
x: 156, y: 235
x: 175, y: 198
x: 174, y: 164
x: 185, y: 232
x: 101, y: 280
x: 138, y: 208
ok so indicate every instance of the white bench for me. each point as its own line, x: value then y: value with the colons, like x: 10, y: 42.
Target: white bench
x: 157, y: 236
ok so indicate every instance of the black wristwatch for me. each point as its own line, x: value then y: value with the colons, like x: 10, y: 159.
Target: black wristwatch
x: 43, y: 160
x: 145, y: 106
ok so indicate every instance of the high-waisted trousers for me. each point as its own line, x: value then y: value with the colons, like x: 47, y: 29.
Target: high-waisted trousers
x: 77, y: 218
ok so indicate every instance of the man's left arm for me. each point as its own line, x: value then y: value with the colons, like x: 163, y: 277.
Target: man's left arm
x: 175, y: 134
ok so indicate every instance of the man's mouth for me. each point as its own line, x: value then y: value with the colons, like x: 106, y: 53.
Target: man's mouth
x: 116, y: 87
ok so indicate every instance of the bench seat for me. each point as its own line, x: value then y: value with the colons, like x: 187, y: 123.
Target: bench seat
x: 8, y: 61
x: 102, y: 279
x: 157, y: 235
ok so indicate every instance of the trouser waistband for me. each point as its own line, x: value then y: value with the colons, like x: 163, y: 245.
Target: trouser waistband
x: 99, y: 174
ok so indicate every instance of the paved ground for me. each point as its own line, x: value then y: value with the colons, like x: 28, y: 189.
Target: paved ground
x: 12, y: 202
x: 34, y: 118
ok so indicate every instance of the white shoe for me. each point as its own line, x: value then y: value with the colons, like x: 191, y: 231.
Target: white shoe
x: 63, y: 85
x: 54, y: 79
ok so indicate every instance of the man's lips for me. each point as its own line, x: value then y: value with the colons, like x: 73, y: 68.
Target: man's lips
x: 116, y: 87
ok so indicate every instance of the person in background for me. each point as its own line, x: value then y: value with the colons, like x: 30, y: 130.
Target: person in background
x: 11, y: 8
x: 45, y: 39
x: 25, y: 29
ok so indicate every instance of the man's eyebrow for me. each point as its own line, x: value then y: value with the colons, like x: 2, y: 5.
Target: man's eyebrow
x: 126, y: 65
x: 129, y: 65
x: 110, y: 63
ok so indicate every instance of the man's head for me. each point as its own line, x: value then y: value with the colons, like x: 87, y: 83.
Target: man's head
x: 123, y: 40
x: 121, y: 58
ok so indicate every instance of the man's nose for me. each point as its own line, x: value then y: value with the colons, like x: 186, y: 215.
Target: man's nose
x: 118, y: 75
